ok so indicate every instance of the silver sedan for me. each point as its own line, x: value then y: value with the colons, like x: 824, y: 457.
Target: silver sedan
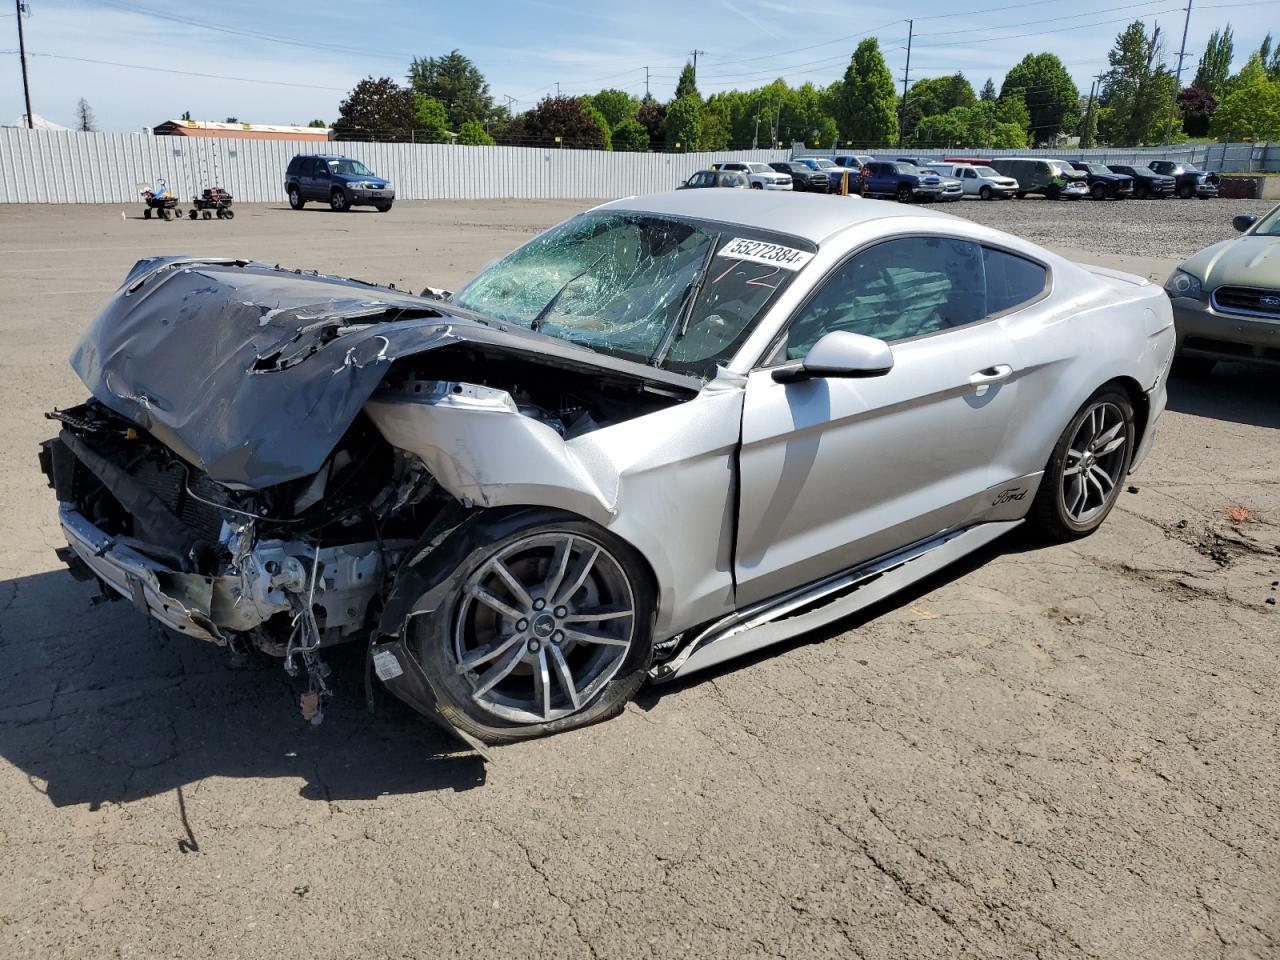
x: 669, y: 431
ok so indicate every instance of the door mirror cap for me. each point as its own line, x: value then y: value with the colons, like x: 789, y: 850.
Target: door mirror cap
x: 840, y: 354
x: 1243, y: 221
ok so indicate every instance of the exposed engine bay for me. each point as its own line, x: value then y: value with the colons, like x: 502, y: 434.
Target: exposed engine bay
x: 290, y: 568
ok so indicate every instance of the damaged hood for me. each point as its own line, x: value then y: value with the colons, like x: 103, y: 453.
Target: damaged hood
x: 253, y: 373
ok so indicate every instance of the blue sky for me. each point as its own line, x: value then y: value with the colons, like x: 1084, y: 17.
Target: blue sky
x: 302, y: 57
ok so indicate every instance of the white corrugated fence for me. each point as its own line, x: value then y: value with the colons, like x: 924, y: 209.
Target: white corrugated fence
x: 46, y: 166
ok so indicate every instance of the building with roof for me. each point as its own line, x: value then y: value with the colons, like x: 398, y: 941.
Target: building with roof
x: 238, y: 131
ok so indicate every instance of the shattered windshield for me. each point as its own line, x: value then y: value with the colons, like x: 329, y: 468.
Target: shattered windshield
x: 678, y: 293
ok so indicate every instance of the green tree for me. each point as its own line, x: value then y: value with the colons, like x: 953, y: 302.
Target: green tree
x: 976, y: 126
x: 615, y: 105
x: 716, y: 125
x: 684, y: 124
x: 562, y: 117
x: 1269, y: 57
x: 1251, y: 111
x: 687, y: 85
x: 377, y: 109
x: 1215, y: 62
x: 1050, y: 95
x: 473, y: 134
x: 935, y: 95
x: 432, y: 123
x: 606, y: 132
x: 1249, y: 75
x: 866, y: 108
x: 988, y: 91
x: 653, y: 117
x: 631, y: 135
x: 317, y: 123
x: 1138, y: 89
x: 456, y: 82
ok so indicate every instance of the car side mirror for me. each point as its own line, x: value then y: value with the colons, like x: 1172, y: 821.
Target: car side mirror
x: 840, y: 354
x: 1243, y: 221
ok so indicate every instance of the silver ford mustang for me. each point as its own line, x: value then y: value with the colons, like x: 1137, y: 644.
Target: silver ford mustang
x: 664, y: 433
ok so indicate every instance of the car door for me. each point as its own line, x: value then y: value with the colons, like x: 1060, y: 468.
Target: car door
x: 836, y: 471
x: 319, y: 179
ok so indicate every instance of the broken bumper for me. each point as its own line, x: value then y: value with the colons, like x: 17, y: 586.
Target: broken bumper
x: 181, y: 601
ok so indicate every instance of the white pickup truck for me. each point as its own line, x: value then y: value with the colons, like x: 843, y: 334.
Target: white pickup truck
x: 978, y: 180
x: 761, y: 175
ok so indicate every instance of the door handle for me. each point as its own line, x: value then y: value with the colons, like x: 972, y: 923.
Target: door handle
x: 983, y: 379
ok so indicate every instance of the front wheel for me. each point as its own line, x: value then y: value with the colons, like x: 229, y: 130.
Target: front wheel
x: 338, y: 200
x: 550, y: 627
x: 1098, y: 192
x: 383, y: 207
x: 757, y: 186
x: 904, y: 194
x: 1087, y: 468
x: 1186, y: 191
x: 985, y: 193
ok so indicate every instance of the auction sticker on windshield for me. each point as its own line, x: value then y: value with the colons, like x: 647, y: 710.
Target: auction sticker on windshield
x: 758, y: 251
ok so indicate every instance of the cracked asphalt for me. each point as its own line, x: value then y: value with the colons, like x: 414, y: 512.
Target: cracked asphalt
x: 1052, y: 752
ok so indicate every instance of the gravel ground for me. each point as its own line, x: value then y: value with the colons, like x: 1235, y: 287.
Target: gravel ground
x: 1130, y: 228
x: 1064, y: 752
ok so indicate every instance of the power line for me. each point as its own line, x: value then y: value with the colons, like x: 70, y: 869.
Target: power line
x: 1040, y: 33
x: 1025, y: 23
x: 186, y: 73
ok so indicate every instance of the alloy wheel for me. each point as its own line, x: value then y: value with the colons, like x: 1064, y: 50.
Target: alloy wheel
x: 542, y: 626
x: 1094, y: 462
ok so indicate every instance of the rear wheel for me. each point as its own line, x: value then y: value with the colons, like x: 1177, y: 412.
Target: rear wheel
x: 338, y: 200
x: 1020, y: 194
x: 1053, y: 193
x: 757, y: 186
x: 984, y: 193
x: 295, y: 199
x: 550, y: 628
x: 904, y: 194
x: 1087, y: 468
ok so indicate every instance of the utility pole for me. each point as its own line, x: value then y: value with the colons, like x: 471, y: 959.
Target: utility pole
x: 22, y: 58
x: 1177, y: 83
x: 694, y: 54
x: 1087, y: 138
x: 646, y: 83
x: 557, y: 89
x: 906, y: 75
x: 755, y: 137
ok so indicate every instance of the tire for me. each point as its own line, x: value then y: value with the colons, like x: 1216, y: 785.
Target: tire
x: 1098, y: 192
x: 383, y: 207
x: 146, y: 214
x: 756, y: 186
x: 1140, y: 192
x: 1186, y: 191
x: 904, y: 194
x: 1053, y: 193
x: 230, y: 213
x: 164, y: 213
x: 338, y: 201
x: 529, y: 547
x: 193, y: 214
x: 206, y: 214
x: 295, y: 199
x: 1193, y: 368
x: 984, y: 193
x: 1072, y: 503
x: 220, y: 214
x: 1020, y: 194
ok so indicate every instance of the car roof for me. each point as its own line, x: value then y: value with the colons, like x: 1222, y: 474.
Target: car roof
x: 805, y: 215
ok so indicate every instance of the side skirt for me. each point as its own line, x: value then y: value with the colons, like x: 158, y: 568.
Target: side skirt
x: 780, y: 618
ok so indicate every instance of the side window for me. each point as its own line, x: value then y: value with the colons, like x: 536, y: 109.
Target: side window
x: 1011, y: 280
x: 971, y: 173
x: 895, y: 290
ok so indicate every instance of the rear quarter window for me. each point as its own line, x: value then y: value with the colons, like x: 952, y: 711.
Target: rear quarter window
x: 1012, y: 281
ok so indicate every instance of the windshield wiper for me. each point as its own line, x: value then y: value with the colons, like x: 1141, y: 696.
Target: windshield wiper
x: 680, y: 325
x: 542, y: 314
